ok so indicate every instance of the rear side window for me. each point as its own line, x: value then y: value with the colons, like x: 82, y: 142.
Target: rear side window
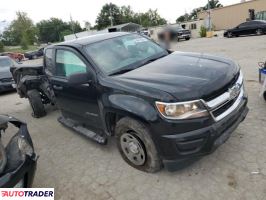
x: 49, y: 60
x: 68, y: 63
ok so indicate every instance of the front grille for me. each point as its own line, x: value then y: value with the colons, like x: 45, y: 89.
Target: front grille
x: 222, y: 90
x: 223, y: 108
x: 6, y: 80
x: 225, y: 103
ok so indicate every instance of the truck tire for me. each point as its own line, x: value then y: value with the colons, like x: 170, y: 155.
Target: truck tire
x: 36, y: 103
x: 264, y: 95
x: 188, y: 38
x: 136, y: 145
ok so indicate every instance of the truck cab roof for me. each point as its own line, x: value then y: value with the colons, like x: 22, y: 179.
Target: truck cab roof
x: 91, y: 39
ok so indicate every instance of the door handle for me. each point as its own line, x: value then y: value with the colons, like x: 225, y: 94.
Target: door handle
x: 57, y: 87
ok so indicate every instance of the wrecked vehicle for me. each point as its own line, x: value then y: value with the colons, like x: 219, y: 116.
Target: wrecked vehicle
x: 32, y: 83
x: 164, y: 108
x: 18, y: 159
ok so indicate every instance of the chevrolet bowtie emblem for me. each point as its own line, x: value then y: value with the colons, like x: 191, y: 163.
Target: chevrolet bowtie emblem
x: 234, y: 91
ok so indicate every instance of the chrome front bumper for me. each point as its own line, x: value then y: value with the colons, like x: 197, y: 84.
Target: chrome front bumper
x: 234, y: 96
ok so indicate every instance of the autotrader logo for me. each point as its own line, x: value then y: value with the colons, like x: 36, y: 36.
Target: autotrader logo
x: 29, y: 193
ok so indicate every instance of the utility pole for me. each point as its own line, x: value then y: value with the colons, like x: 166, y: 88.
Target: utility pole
x: 111, y: 16
x: 72, y: 26
x: 209, y: 16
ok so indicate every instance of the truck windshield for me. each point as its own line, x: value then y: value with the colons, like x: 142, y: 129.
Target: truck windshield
x: 5, y: 62
x: 124, y: 52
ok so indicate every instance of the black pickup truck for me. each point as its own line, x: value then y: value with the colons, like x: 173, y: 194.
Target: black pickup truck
x: 164, y: 108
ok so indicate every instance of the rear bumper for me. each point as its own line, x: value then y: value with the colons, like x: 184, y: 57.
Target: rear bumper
x: 178, y: 150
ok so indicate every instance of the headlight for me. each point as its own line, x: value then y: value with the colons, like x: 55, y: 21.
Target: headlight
x: 24, y: 146
x: 183, y: 110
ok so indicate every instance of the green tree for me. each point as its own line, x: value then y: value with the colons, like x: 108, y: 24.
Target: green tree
x: 54, y: 29
x: 182, y: 18
x: 2, y: 48
x: 203, y: 31
x: 24, y: 41
x: 151, y: 18
x: 21, y: 27
x: 213, y: 4
x: 119, y: 15
x: 110, y: 13
x: 192, y: 16
x: 127, y: 14
x: 194, y: 13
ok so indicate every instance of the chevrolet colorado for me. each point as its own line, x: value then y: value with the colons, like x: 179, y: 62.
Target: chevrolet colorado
x: 164, y: 108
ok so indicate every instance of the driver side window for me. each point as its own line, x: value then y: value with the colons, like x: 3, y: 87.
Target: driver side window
x: 67, y: 63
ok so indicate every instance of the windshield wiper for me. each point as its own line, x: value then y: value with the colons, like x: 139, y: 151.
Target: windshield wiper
x: 122, y: 71
x: 151, y: 60
x: 127, y: 69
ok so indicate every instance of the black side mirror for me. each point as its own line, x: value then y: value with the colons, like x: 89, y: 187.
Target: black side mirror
x: 79, y: 78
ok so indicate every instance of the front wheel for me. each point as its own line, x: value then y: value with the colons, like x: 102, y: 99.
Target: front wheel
x: 264, y: 95
x: 230, y: 35
x: 188, y: 38
x: 36, y: 103
x: 136, y: 145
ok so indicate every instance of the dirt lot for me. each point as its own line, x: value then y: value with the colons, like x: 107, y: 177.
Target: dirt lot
x: 80, y: 169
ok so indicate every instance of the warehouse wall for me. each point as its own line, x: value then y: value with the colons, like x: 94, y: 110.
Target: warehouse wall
x: 231, y: 16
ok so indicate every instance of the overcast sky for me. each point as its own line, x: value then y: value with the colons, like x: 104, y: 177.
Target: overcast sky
x: 86, y: 10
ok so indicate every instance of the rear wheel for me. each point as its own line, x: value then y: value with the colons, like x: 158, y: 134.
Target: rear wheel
x: 259, y: 32
x: 36, y: 103
x: 136, y: 145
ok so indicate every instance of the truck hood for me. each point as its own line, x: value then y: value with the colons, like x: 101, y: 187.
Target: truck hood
x: 5, y: 72
x: 186, y: 76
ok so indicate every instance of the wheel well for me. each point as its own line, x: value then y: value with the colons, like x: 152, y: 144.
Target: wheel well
x: 111, y: 118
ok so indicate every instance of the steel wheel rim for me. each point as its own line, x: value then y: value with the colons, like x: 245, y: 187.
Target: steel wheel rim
x: 133, y: 149
x: 230, y: 34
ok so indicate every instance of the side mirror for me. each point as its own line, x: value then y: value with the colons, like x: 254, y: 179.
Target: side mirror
x: 79, y: 78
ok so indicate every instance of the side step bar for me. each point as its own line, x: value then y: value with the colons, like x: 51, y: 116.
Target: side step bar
x: 82, y: 130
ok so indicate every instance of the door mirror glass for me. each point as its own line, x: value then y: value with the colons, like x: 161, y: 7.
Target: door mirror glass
x: 78, y: 78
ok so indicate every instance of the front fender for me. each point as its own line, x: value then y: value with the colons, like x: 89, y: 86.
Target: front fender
x: 134, y: 106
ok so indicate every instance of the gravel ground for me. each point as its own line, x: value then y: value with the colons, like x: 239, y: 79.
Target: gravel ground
x: 80, y: 169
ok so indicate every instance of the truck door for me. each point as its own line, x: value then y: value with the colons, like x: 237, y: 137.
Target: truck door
x: 77, y: 102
